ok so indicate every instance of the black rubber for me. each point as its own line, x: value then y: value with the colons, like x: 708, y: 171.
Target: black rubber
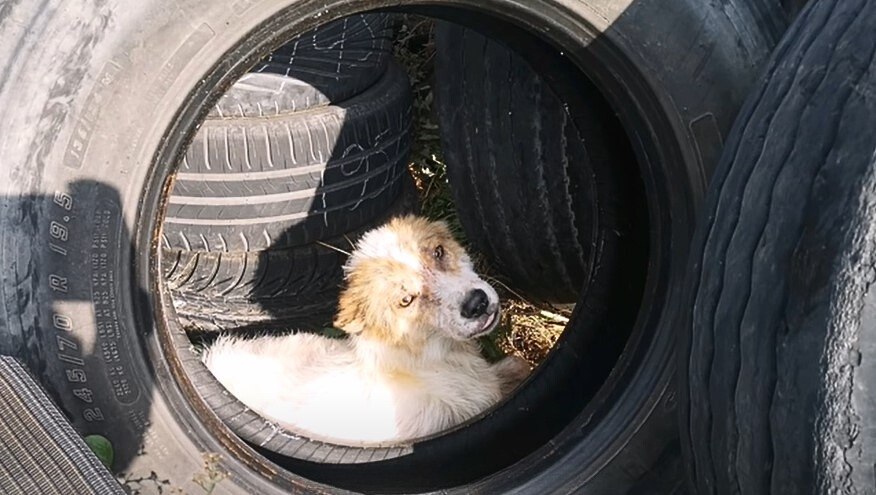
x: 98, y: 131
x: 324, y: 66
x: 39, y: 450
x: 275, y: 182
x: 536, y: 183
x: 269, y: 289
x: 778, y: 368
x: 242, y: 289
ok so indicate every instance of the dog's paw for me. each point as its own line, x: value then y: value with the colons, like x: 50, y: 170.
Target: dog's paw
x: 511, y: 370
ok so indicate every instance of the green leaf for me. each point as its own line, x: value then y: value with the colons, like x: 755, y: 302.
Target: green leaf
x: 102, y: 448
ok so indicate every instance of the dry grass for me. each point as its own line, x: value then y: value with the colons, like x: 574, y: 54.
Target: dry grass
x: 528, y: 329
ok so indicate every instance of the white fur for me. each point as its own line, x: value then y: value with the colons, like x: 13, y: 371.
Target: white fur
x: 381, y: 243
x: 365, y: 390
x: 339, y: 390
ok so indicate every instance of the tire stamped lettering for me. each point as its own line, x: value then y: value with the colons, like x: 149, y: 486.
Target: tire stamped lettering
x: 65, y: 344
x: 101, y: 286
x: 84, y: 127
x: 76, y: 376
x: 84, y: 394
x: 92, y: 414
x: 104, y: 252
x: 58, y: 283
x: 69, y: 351
x: 58, y: 230
x: 63, y: 324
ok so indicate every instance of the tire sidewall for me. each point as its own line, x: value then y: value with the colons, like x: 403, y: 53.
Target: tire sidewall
x: 81, y: 172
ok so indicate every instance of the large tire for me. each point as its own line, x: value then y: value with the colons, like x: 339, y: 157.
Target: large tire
x: 92, y: 132
x: 531, y: 166
x: 274, y: 182
x: 778, y: 368
x: 326, y: 65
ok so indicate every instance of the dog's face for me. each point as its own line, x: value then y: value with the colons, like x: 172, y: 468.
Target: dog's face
x: 410, y: 278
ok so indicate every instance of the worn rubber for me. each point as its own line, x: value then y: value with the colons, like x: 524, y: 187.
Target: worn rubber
x: 324, y: 66
x: 778, y: 378
x: 39, y: 450
x: 268, y: 289
x: 531, y: 195
x: 288, y: 180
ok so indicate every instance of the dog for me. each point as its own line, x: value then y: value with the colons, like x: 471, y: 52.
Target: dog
x: 412, y: 306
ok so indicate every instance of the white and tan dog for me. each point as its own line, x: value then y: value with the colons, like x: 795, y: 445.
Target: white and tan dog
x: 411, y: 307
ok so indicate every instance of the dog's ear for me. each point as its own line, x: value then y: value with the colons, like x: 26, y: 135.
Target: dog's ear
x: 351, y: 313
x: 442, y: 228
x: 348, y: 318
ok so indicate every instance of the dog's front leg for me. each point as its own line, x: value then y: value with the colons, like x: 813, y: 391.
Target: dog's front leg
x: 511, y: 371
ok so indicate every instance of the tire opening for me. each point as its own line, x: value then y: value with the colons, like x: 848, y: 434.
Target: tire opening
x: 257, y: 219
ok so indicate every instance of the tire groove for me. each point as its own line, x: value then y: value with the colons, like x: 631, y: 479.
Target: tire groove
x: 463, y: 108
x: 542, y: 194
x: 566, y: 166
x: 173, y: 267
x: 222, y: 220
x: 740, y: 439
x: 392, y: 96
x: 296, y: 170
x: 216, y: 262
x: 498, y: 200
x: 751, y: 254
x: 236, y: 283
x: 194, y: 260
x: 355, y: 181
x: 263, y: 264
x: 734, y: 219
x: 726, y: 181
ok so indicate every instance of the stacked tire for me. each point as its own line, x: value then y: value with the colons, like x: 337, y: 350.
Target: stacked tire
x: 293, y: 162
x: 571, y: 203
x: 778, y: 349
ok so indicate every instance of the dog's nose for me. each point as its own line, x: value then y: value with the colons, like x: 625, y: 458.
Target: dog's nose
x: 475, y: 304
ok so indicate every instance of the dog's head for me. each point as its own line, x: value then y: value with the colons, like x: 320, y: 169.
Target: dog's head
x: 409, y: 279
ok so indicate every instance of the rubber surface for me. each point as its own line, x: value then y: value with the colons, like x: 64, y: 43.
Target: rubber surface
x: 269, y: 289
x: 778, y: 372
x: 324, y: 66
x: 274, y: 182
x: 39, y: 451
x: 535, y: 187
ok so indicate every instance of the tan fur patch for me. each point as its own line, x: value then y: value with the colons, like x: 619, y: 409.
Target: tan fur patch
x: 371, y: 302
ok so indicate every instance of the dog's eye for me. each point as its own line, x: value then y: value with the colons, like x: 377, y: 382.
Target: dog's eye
x: 438, y: 253
x: 406, y: 301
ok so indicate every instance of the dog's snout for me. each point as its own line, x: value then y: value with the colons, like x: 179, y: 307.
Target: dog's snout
x: 475, y: 304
